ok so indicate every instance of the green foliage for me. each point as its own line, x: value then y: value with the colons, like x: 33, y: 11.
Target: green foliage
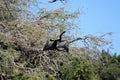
x: 111, y: 67
x: 82, y: 71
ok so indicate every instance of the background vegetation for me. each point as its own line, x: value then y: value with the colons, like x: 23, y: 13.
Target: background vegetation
x: 22, y: 38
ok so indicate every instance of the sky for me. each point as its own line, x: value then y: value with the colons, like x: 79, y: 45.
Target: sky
x: 100, y: 16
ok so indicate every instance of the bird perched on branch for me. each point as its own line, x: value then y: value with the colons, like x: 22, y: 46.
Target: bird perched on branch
x: 52, y: 1
x: 58, y: 44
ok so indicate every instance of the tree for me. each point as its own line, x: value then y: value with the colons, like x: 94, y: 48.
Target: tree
x: 22, y: 37
x: 110, y: 66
